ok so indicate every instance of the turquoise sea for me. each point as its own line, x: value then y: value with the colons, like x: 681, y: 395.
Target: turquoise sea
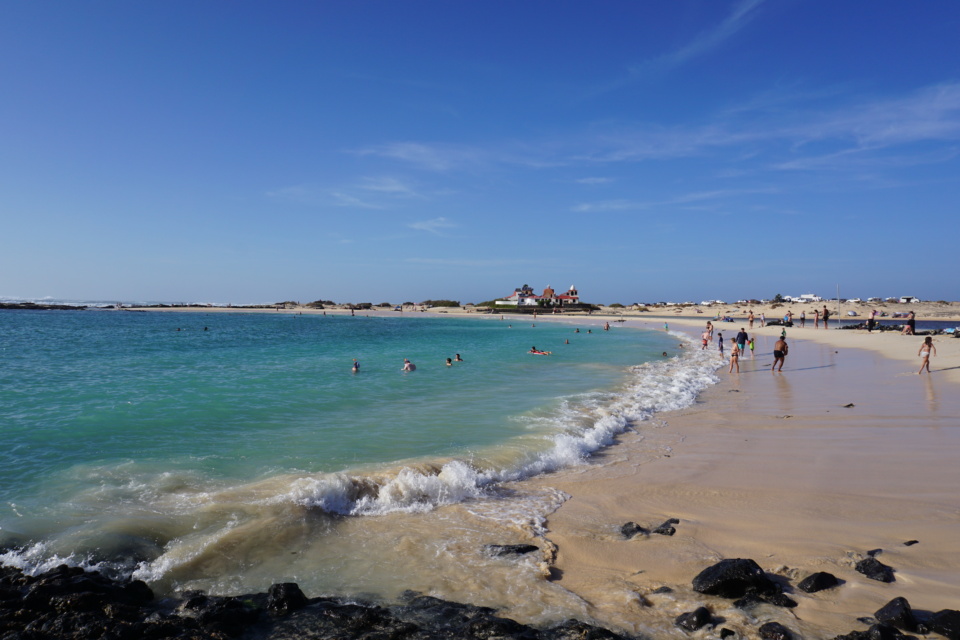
x: 227, y: 451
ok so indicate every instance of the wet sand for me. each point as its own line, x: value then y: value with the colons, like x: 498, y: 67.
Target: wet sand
x: 775, y: 467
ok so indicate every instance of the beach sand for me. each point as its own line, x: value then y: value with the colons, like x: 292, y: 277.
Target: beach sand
x: 774, y: 467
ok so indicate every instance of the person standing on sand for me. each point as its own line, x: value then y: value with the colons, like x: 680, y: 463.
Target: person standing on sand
x: 735, y: 357
x: 763, y: 320
x: 926, y: 350
x: 803, y: 318
x: 752, y: 344
x: 750, y: 318
x: 816, y: 318
x: 779, y: 353
x: 826, y: 316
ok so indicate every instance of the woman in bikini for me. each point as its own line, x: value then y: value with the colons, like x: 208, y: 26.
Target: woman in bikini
x: 734, y: 357
x: 926, y: 350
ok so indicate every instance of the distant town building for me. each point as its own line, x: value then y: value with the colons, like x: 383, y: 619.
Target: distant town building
x: 525, y: 297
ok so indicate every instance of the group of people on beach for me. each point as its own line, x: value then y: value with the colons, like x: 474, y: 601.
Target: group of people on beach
x: 741, y: 343
x: 788, y: 318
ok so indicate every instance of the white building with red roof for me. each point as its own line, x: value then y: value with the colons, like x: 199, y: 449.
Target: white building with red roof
x: 525, y: 297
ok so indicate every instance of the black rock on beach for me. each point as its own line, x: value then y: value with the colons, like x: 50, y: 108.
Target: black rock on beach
x: 71, y: 603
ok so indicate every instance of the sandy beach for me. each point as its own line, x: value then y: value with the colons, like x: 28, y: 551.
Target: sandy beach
x: 777, y: 468
x: 846, y: 451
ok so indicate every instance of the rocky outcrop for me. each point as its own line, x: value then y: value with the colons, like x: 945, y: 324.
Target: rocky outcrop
x: 733, y: 578
x: 70, y: 603
x: 875, y: 570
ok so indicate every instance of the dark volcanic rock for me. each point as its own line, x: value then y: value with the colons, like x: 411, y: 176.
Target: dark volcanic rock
x: 68, y: 603
x: 667, y: 529
x: 631, y: 529
x: 818, y: 582
x: 775, y: 631
x: 897, y: 613
x: 875, y: 570
x: 693, y: 620
x: 752, y: 599
x: 510, y: 549
x: 946, y: 623
x: 285, y: 597
x: 732, y: 578
x: 910, y: 543
x: 726, y: 633
x: 876, y: 632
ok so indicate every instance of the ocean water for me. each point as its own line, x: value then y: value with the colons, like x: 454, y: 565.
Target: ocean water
x: 229, y: 451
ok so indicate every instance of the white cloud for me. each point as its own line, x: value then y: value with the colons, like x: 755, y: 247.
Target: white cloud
x: 707, y: 40
x: 433, y: 226
x: 389, y: 186
x: 594, y: 180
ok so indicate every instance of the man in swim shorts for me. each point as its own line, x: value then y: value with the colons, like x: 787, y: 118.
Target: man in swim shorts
x: 741, y: 339
x: 779, y: 353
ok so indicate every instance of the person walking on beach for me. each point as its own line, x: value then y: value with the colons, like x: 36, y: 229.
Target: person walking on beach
x: 926, y: 350
x: 871, y: 321
x: 710, y: 330
x: 720, y: 343
x: 779, y: 353
x: 803, y: 318
x: 816, y: 318
x: 826, y: 316
x: 741, y: 339
x: 751, y: 344
x: 750, y: 318
x: 763, y: 320
x: 705, y: 338
x: 735, y: 352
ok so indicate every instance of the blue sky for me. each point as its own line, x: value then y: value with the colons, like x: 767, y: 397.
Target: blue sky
x: 387, y: 151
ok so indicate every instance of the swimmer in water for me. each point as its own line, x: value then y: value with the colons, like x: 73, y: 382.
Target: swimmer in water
x: 449, y: 362
x: 356, y: 366
x: 408, y: 366
x: 457, y: 358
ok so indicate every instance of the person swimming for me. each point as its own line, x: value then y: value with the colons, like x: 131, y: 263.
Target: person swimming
x: 356, y: 366
x: 408, y: 366
x: 457, y: 358
x: 449, y: 362
x: 537, y: 352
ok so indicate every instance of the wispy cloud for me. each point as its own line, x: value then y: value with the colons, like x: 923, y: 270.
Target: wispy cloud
x: 389, y: 186
x: 706, y: 40
x: 594, y: 180
x: 683, y: 199
x: 432, y: 226
x: 428, y: 156
x: 342, y: 199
